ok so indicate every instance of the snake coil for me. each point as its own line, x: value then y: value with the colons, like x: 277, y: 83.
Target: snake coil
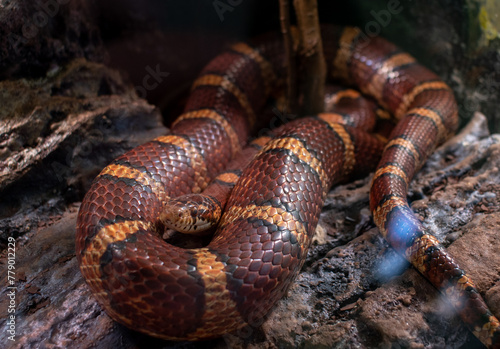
x: 264, y: 234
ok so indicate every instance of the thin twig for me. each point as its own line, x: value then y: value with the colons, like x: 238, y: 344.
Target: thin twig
x: 291, y: 56
x: 312, y: 51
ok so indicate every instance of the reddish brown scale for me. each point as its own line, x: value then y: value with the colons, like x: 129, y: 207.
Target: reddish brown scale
x: 248, y: 80
x: 162, y: 162
x: 366, y: 57
x: 193, y: 207
x: 197, y: 213
x: 365, y: 148
x: 210, y: 140
x: 245, y: 75
x: 109, y: 198
x: 440, y: 101
x: 407, y: 78
x: 445, y: 273
x: 226, y: 105
x: 167, y: 291
x: 403, y: 158
x: 423, y: 133
x: 356, y: 110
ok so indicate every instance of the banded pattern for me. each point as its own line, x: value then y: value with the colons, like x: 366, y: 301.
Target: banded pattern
x: 197, y: 213
x: 135, y: 275
x: 264, y: 234
x: 428, y: 114
x: 273, y: 210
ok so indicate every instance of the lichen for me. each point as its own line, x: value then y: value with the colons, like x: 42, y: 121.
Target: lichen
x: 489, y: 20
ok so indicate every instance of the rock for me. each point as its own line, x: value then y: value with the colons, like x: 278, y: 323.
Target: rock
x: 57, y: 133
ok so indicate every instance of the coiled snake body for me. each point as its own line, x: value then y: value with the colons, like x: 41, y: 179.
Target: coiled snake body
x: 263, y: 237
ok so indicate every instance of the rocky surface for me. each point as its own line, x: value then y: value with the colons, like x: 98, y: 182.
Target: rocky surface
x: 57, y: 133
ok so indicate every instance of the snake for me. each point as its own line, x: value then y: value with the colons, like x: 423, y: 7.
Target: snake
x: 199, y: 214
x: 264, y: 233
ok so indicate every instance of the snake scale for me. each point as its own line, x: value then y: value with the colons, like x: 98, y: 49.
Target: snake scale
x: 264, y: 234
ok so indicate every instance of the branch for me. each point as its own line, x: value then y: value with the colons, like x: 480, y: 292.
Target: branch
x: 291, y: 58
x: 313, y: 88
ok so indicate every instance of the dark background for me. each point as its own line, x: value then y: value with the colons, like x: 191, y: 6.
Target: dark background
x: 447, y: 36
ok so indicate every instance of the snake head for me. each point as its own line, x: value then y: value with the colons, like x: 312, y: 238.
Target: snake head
x: 191, y: 213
